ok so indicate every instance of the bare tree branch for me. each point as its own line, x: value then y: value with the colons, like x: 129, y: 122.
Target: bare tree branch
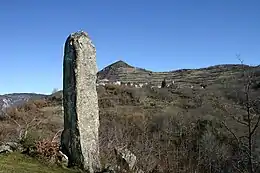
x: 239, y: 121
x: 56, y: 134
x: 234, y: 135
x: 256, y: 125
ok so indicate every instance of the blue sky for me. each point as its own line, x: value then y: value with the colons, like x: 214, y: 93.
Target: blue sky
x: 157, y: 35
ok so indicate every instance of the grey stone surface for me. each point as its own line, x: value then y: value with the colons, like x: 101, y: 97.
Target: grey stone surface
x: 81, y: 113
x: 10, y: 147
x: 15, y: 146
x: 125, y: 158
x: 5, y: 149
x: 126, y: 161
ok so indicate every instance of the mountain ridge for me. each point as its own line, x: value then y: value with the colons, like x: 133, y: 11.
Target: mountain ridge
x: 16, y: 99
x: 124, y: 72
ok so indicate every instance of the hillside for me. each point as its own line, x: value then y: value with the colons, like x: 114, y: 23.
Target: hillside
x: 168, y: 129
x: 156, y: 124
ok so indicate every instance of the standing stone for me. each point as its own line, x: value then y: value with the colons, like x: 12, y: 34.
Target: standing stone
x: 79, y: 140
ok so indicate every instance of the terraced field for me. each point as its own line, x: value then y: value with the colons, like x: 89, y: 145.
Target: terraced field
x: 121, y: 71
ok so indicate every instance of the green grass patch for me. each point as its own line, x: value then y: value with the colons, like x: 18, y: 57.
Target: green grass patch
x: 19, y: 163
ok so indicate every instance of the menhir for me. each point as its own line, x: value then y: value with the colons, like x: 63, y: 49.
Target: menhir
x: 81, y: 113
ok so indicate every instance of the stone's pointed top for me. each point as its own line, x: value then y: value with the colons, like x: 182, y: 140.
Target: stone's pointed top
x: 79, y: 34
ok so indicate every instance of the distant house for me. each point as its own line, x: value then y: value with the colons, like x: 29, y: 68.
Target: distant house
x: 203, y: 86
x: 117, y: 83
x: 103, y: 82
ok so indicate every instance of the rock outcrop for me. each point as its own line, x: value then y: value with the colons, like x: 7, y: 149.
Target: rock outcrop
x: 126, y: 161
x: 79, y: 138
x: 9, y: 147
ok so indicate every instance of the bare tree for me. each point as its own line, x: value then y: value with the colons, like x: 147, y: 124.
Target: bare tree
x: 24, y: 123
x: 251, y: 118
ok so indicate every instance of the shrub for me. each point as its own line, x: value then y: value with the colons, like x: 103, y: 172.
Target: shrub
x: 163, y: 85
x: 48, y: 150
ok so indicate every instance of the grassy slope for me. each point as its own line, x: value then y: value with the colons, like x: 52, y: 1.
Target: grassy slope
x: 18, y: 163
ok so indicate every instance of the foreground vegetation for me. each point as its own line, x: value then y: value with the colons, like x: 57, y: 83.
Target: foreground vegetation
x: 16, y: 162
x: 173, y: 129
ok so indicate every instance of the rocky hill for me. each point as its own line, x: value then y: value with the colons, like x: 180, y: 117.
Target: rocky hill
x: 120, y: 70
